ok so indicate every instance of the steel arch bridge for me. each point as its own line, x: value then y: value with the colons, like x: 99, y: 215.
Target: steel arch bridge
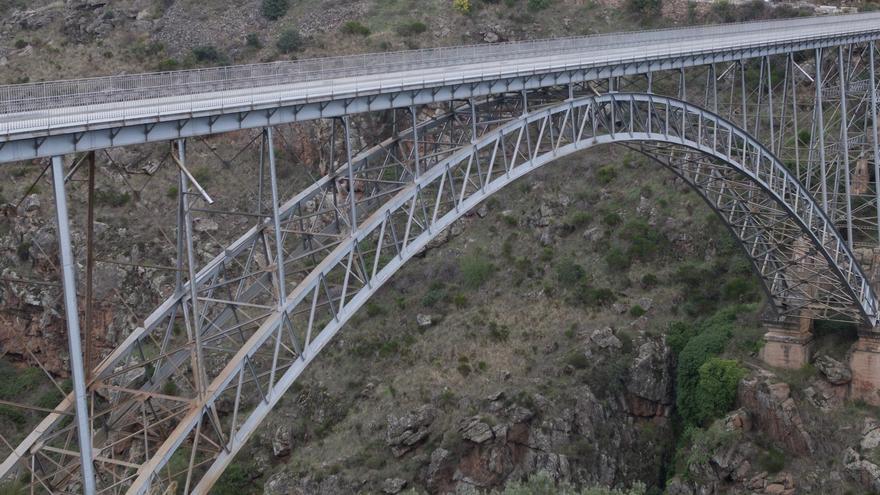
x: 772, y: 123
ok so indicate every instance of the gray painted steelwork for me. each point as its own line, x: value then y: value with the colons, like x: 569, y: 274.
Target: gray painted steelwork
x: 265, y: 306
x: 58, y: 129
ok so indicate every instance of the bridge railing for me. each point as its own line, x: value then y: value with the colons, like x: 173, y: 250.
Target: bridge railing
x: 115, y: 89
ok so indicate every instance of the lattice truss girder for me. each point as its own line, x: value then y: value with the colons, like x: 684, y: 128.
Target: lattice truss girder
x: 182, y: 394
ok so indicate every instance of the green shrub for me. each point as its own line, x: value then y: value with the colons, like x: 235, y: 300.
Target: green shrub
x: 13, y: 414
x: 678, y: 333
x: 569, y: 273
x: 535, y: 5
x: 804, y: 136
x: 708, y: 342
x: 772, y: 461
x: 111, y: 198
x: 577, y: 360
x: 355, y: 28
x: 498, y: 333
x: 649, y: 280
x: 12, y: 487
x: 578, y: 219
x: 207, y: 54
x: 167, y: 64
x: 274, y: 9
x: 236, y: 479
x: 611, y: 219
x: 411, y: 28
x: 741, y: 289
x: 606, y: 174
x: 460, y: 300
x: 289, y: 41
x: 252, y: 40
x: 433, y: 297
x: 637, y: 311
x: 16, y: 383
x: 586, y: 295
x: 715, y: 393
x: 645, y: 7
x: 389, y: 348
x: 475, y: 270
x: 374, y: 309
x: 617, y: 260
x: 644, y: 241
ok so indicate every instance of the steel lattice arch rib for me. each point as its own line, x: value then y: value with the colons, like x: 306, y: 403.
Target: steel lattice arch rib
x: 800, y: 257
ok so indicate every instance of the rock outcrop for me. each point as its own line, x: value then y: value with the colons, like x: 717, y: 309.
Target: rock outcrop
x: 775, y: 413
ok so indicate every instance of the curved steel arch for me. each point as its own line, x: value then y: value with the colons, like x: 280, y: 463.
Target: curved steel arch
x: 404, y: 225
x: 411, y: 192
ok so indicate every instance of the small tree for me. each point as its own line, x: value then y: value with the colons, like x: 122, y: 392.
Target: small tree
x: 275, y: 9
x: 289, y: 41
x: 716, y: 388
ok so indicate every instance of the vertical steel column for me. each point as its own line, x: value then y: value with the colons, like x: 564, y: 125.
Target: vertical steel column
x: 90, y: 267
x: 742, y: 80
x: 73, y: 334
x: 260, y: 175
x: 474, y: 113
x: 352, y: 200
x: 794, y: 117
x: 196, y: 334
x: 770, y: 103
x: 415, y: 121
x: 820, y: 125
x: 873, y: 82
x: 844, y: 144
x: 276, y: 219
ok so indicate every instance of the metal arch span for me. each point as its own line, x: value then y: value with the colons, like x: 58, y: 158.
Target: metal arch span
x: 731, y: 170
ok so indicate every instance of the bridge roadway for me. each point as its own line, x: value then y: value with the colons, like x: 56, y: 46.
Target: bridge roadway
x: 76, y: 109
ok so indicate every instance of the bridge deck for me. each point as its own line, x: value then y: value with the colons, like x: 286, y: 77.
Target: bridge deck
x: 41, y: 109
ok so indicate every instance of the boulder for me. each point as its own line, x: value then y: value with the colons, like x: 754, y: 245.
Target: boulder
x: 862, y: 471
x: 651, y: 378
x: 475, y: 430
x: 775, y: 413
x: 405, y: 432
x: 604, y: 338
x: 834, y: 371
x: 281, y: 441
x: 870, y: 435
x: 393, y: 485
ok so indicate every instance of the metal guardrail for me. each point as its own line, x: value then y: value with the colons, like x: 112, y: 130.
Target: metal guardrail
x: 47, y: 95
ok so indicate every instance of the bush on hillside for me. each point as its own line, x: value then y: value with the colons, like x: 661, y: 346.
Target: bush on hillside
x: 274, y: 9
x: 411, y: 28
x: 715, y: 393
x: 289, y: 41
x: 355, y: 28
x: 709, y: 341
x: 475, y: 270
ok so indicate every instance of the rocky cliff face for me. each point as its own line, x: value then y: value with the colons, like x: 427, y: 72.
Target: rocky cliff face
x: 482, y: 443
